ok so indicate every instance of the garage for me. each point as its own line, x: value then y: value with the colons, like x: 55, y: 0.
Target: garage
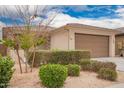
x: 98, y: 45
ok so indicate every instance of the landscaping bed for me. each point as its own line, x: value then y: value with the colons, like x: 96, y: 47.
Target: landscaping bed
x: 85, y: 80
x: 81, y: 72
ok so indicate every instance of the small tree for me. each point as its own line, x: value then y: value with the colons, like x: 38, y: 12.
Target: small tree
x: 26, y: 42
x: 30, y: 41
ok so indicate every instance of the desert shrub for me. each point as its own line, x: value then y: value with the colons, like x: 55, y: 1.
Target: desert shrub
x: 109, y: 65
x: 85, y: 64
x: 73, y: 69
x: 6, y: 71
x: 108, y: 74
x: 53, y: 75
x: 96, y: 66
x: 59, y: 57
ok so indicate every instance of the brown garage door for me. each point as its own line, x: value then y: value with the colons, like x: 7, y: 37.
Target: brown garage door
x: 97, y: 44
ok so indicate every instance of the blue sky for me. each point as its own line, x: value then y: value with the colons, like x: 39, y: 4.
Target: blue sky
x: 92, y: 11
x: 111, y: 16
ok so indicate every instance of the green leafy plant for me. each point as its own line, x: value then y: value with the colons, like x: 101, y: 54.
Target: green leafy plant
x: 85, y: 64
x: 40, y: 41
x: 73, y: 69
x: 108, y: 74
x: 6, y: 71
x: 26, y: 40
x: 8, y: 42
x: 53, y: 75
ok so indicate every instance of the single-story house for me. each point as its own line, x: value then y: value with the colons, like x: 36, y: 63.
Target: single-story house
x: 101, y: 42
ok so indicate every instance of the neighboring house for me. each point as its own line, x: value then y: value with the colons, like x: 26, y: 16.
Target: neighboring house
x: 7, y: 33
x: 99, y: 41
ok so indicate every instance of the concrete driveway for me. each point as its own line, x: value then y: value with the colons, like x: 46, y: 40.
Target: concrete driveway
x: 119, y: 61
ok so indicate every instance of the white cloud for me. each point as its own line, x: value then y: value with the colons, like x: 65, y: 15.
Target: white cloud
x: 120, y: 12
x: 62, y: 19
x: 2, y: 24
x: 16, y: 11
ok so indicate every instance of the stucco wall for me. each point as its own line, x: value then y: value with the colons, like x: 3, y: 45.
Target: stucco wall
x: 59, y: 40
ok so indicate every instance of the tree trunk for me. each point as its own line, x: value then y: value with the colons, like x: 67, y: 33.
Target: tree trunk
x: 26, y: 67
x: 19, y: 61
x: 26, y: 57
x: 33, y: 60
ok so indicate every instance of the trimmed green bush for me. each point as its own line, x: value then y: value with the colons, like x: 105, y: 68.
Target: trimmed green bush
x: 53, y: 75
x: 6, y: 71
x: 59, y: 57
x: 85, y: 64
x: 96, y: 66
x: 108, y: 74
x: 73, y: 69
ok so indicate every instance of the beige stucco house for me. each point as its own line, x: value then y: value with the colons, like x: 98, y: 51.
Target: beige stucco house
x: 99, y: 41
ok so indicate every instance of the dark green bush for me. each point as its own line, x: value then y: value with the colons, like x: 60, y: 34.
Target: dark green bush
x: 73, y: 69
x: 108, y: 74
x: 59, y: 57
x: 85, y: 64
x: 96, y: 66
x: 53, y: 75
x: 6, y: 71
